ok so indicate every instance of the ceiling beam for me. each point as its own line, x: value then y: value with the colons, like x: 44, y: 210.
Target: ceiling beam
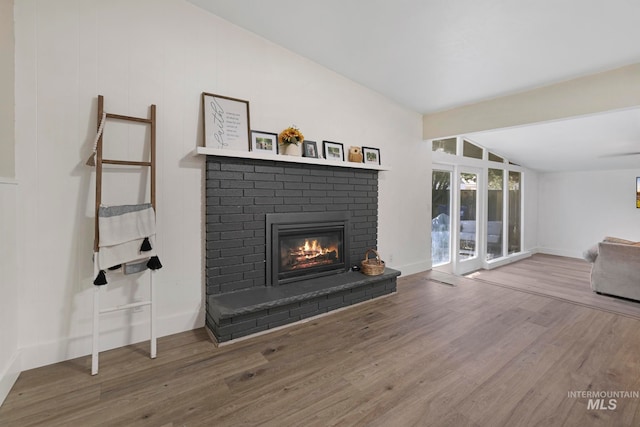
x: 606, y: 91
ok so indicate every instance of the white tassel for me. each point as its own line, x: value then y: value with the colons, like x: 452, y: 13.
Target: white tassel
x: 92, y: 159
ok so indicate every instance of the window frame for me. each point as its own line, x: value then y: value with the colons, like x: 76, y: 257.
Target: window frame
x: 458, y: 161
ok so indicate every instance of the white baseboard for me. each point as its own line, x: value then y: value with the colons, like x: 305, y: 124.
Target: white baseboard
x: 70, y: 348
x: 9, y: 377
x: 409, y: 269
x: 559, y: 252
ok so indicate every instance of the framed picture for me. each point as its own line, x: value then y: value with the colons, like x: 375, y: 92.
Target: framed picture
x: 226, y: 122
x: 333, y: 151
x: 309, y: 149
x: 638, y: 192
x: 371, y: 156
x: 264, y: 142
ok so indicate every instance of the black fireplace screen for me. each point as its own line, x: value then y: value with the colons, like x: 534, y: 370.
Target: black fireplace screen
x: 302, y: 250
x: 302, y: 246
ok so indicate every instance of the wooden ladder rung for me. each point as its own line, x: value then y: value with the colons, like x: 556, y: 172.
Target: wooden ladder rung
x: 128, y: 118
x: 125, y: 162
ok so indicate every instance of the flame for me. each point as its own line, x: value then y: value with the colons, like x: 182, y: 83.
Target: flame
x: 313, y: 249
x: 309, y: 254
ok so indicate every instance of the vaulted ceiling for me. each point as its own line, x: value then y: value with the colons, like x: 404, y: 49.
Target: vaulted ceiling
x: 434, y: 55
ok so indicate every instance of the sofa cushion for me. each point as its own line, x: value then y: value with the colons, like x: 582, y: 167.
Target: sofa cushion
x: 610, y: 239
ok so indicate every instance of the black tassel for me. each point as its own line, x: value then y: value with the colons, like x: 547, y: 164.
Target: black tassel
x: 115, y: 267
x: 146, y: 245
x: 154, y: 263
x: 101, y: 279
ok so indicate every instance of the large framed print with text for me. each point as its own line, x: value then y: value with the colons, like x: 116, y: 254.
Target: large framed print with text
x: 226, y: 122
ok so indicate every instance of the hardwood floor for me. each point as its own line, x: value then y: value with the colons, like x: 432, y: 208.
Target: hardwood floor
x: 564, y: 278
x: 474, y: 354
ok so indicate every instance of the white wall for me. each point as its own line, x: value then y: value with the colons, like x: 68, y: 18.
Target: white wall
x: 7, y: 149
x: 530, y: 186
x: 577, y: 209
x: 167, y: 52
x: 9, y: 353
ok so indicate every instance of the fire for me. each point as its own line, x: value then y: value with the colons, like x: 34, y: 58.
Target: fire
x: 313, y: 249
x: 311, y: 253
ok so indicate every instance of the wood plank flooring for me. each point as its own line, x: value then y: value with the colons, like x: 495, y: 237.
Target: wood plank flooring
x: 564, y: 278
x: 473, y: 354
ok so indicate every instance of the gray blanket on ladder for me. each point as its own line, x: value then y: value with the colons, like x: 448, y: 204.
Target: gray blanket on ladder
x: 127, y: 238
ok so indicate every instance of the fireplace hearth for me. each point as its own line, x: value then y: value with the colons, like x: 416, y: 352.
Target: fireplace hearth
x: 305, y: 245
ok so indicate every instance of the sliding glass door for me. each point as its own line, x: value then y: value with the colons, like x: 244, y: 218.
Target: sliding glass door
x: 468, y: 192
x: 441, y: 217
x: 515, y: 212
x: 495, y: 213
x: 469, y: 242
x: 456, y: 218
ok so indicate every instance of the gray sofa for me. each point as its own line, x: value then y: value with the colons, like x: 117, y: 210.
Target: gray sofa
x: 616, y: 270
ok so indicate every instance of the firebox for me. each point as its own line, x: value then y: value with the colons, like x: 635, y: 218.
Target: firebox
x: 306, y: 245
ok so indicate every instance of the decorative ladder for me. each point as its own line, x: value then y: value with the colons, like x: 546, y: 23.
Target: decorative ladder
x: 99, y: 161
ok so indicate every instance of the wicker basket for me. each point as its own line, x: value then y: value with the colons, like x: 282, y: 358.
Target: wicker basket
x: 372, y: 267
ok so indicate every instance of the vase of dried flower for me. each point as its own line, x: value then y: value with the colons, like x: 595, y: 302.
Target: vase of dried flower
x: 290, y: 141
x: 292, y: 149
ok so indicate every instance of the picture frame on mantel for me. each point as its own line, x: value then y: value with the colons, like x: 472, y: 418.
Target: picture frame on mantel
x: 333, y: 151
x: 309, y: 149
x: 264, y: 142
x: 371, y: 156
x: 226, y: 122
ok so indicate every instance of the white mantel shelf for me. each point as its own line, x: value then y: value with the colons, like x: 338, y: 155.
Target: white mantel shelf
x: 289, y: 159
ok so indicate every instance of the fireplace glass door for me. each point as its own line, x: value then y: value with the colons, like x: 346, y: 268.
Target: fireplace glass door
x: 301, y: 246
x: 306, y: 252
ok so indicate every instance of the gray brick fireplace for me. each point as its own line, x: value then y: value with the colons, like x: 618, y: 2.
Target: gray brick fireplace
x: 242, y: 198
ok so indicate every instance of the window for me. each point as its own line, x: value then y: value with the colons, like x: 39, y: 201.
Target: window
x: 448, y: 145
x: 495, y: 223
x: 514, y: 212
x: 471, y: 150
x: 495, y: 158
x: 476, y: 206
x: 440, y: 217
x: 468, y: 215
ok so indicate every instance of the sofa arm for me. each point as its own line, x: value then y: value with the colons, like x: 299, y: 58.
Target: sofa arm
x: 616, y: 270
